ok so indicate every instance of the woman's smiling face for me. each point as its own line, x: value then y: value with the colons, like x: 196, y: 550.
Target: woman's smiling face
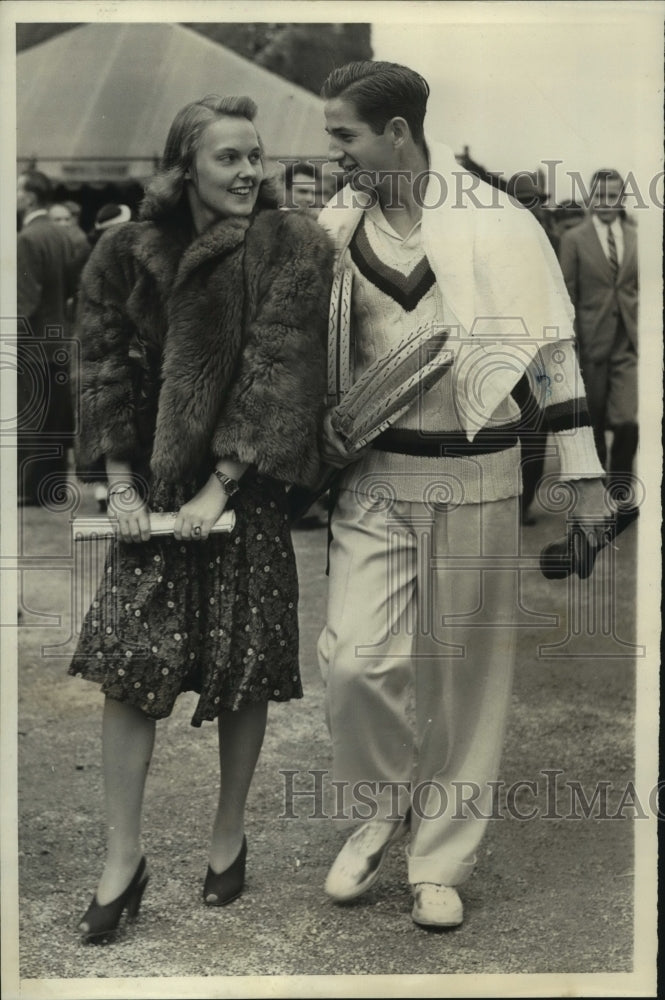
x: 227, y: 171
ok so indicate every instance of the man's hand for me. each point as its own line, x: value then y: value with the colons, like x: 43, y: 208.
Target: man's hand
x: 333, y: 449
x: 591, y: 522
x: 592, y: 503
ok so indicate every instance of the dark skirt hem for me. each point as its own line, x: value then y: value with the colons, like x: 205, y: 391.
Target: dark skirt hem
x: 200, y: 716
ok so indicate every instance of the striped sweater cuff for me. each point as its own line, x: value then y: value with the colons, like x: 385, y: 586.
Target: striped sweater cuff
x: 578, y: 457
x: 567, y: 416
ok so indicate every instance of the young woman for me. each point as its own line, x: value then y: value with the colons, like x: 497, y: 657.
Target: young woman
x: 202, y: 330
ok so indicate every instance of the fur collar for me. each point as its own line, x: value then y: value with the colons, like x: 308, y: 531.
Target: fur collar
x: 170, y: 255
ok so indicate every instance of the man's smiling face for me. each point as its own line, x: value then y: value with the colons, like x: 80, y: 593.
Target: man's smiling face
x: 353, y: 143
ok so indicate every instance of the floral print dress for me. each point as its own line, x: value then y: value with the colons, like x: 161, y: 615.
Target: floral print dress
x: 218, y: 617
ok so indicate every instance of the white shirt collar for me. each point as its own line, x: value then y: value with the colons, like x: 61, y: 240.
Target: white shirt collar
x: 375, y: 214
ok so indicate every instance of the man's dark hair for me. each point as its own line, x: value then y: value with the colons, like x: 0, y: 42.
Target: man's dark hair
x: 600, y: 180
x: 74, y: 208
x: 604, y: 175
x: 39, y: 184
x: 380, y: 91
x: 300, y: 167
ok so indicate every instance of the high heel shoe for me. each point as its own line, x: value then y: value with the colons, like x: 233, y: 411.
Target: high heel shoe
x: 102, y: 921
x: 227, y: 885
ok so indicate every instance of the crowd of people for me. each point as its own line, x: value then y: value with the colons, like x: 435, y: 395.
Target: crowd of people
x: 52, y: 250
x: 203, y: 384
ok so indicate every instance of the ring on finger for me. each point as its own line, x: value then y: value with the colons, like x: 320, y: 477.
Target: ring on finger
x: 196, y: 530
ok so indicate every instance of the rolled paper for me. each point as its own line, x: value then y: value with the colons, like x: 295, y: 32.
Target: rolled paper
x: 160, y: 524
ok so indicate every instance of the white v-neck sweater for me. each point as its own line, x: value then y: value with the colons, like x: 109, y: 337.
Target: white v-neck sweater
x: 395, y: 293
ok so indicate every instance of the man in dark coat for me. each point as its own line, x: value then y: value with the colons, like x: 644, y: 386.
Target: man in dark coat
x: 599, y: 263
x: 47, y: 274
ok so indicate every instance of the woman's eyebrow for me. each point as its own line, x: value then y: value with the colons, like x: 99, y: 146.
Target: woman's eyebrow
x: 234, y: 149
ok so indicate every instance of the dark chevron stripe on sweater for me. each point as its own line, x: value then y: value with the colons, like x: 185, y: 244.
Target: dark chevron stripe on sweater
x: 567, y: 416
x: 406, y: 289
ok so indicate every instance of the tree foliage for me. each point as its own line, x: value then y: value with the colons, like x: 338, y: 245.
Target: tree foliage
x: 302, y: 53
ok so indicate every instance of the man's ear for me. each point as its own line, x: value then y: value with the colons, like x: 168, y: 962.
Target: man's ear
x: 399, y: 130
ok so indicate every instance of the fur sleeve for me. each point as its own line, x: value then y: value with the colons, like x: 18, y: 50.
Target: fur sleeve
x: 104, y: 380
x: 272, y: 415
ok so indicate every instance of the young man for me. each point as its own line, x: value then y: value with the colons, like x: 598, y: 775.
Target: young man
x: 599, y: 264
x: 417, y: 652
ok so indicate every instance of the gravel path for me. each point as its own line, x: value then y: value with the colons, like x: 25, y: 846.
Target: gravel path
x: 551, y: 898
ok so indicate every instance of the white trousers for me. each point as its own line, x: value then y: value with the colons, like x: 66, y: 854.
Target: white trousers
x: 417, y: 657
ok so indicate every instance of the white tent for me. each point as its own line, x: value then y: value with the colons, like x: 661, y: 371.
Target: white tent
x: 95, y: 103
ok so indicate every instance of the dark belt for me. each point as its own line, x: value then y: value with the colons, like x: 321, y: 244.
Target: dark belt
x: 451, y: 444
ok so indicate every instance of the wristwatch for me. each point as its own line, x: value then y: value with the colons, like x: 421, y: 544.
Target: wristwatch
x: 230, y: 486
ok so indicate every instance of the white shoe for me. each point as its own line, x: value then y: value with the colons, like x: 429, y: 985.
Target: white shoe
x: 357, y: 865
x: 436, y: 905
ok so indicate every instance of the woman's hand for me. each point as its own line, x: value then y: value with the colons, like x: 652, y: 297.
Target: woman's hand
x: 125, y: 503
x: 196, y: 517
x: 131, y: 512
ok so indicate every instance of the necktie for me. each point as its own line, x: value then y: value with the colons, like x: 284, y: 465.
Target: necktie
x: 612, y: 251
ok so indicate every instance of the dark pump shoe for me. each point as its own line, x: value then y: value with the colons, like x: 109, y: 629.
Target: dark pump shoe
x: 221, y: 889
x: 100, y: 923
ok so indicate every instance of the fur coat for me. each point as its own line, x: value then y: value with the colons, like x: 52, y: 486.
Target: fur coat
x: 197, y: 350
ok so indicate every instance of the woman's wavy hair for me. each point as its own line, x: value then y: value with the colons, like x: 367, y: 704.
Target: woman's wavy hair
x: 164, y: 194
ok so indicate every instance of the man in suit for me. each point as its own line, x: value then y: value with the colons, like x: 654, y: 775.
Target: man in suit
x: 47, y: 275
x: 599, y: 263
